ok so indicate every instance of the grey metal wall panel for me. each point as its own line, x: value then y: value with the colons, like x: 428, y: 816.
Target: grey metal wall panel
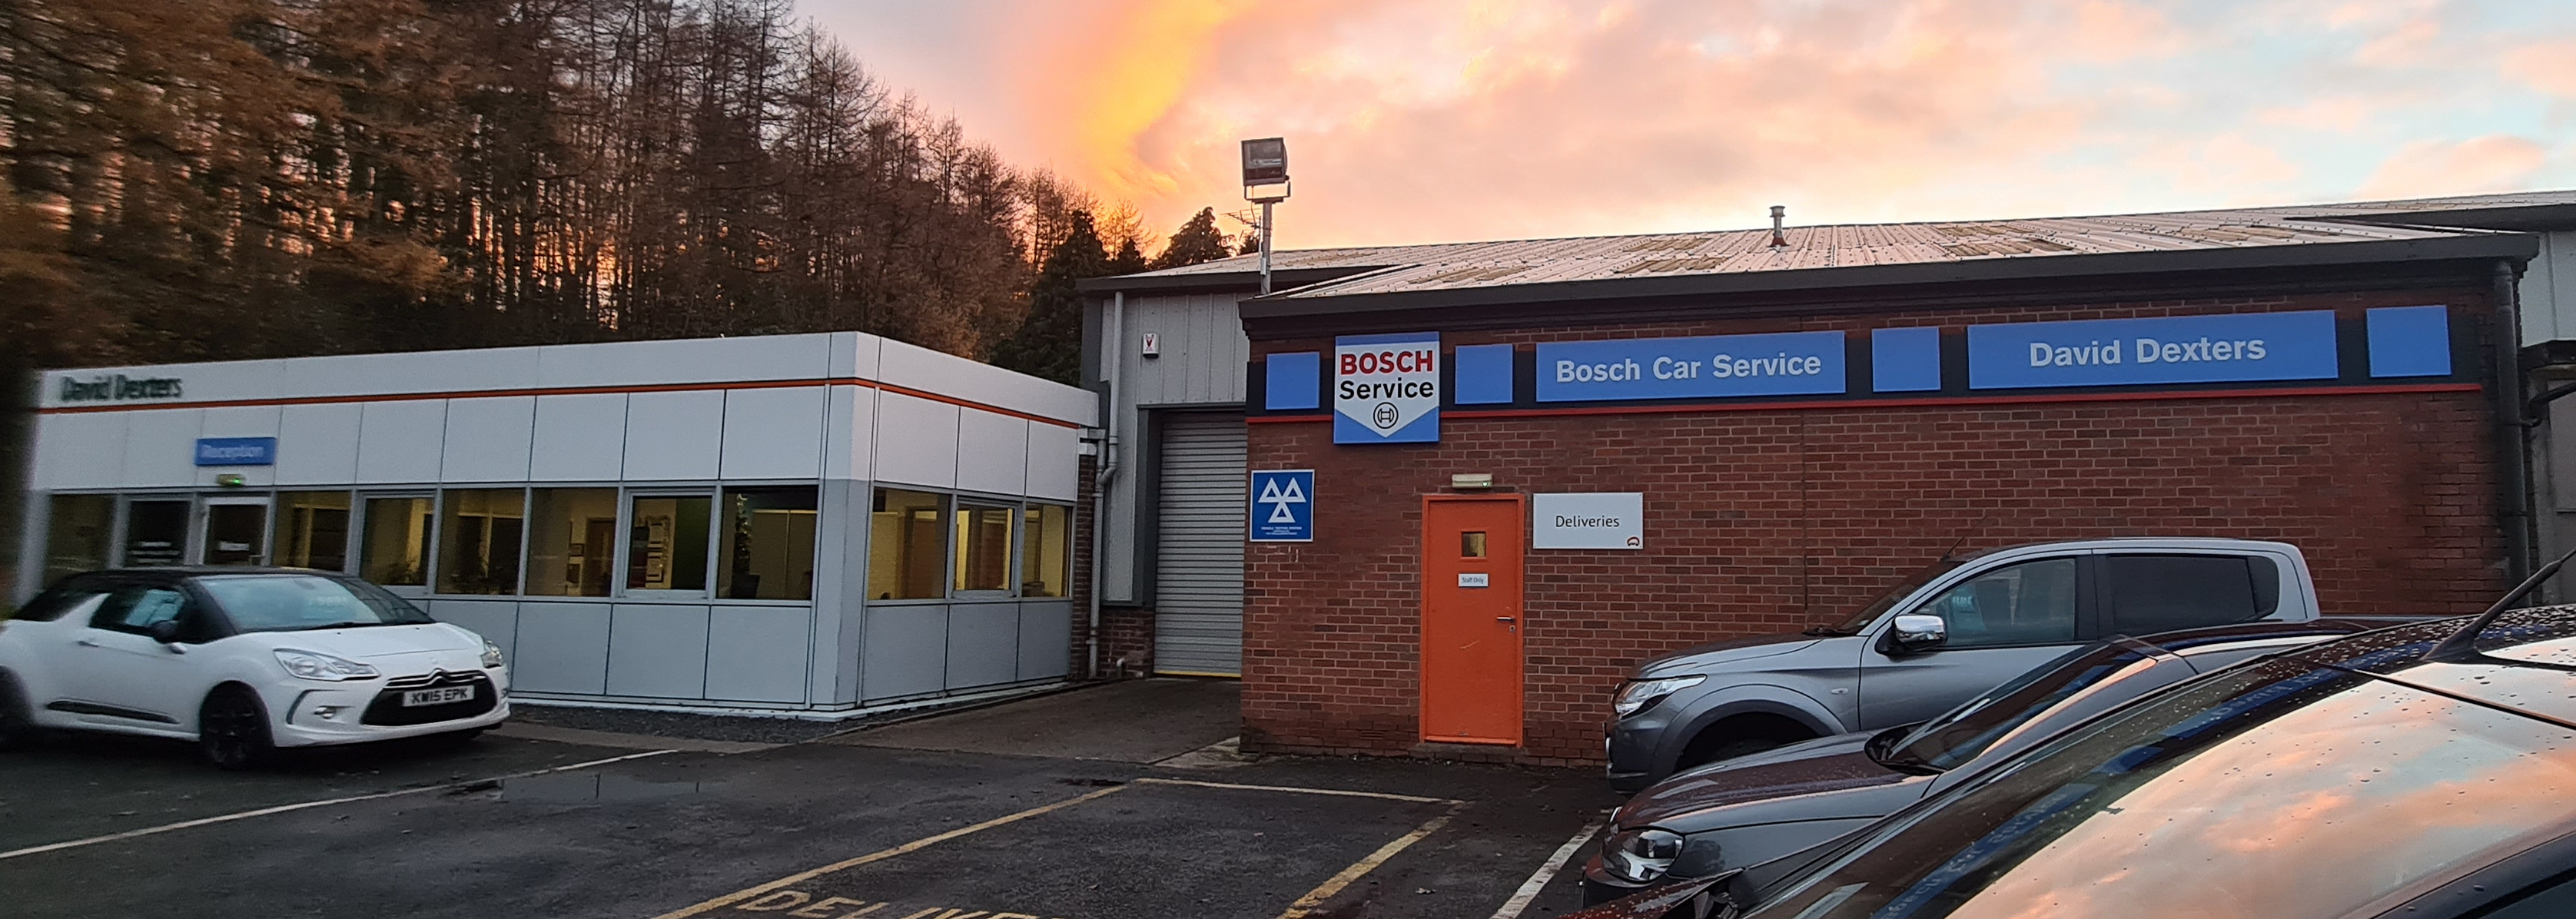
x: 1203, y: 353
x: 658, y: 650
x: 1046, y: 640
x: 495, y: 620
x: 758, y: 653
x: 840, y: 547
x: 1198, y: 589
x: 983, y: 644
x: 562, y: 647
x: 905, y: 652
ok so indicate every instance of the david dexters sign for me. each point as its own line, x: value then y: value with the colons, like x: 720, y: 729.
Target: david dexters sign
x: 2248, y: 347
x: 1386, y: 388
x: 1773, y: 364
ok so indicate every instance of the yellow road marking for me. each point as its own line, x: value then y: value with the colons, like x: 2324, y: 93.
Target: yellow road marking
x: 882, y: 854
x: 1305, y: 905
x: 1303, y: 791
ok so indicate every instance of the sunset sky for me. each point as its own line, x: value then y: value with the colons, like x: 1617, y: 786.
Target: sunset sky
x: 1446, y: 120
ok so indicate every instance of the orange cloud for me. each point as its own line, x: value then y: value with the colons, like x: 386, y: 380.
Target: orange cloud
x: 2496, y: 162
x: 2548, y: 66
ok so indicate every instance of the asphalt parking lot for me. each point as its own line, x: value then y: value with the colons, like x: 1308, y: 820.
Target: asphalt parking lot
x: 894, y: 824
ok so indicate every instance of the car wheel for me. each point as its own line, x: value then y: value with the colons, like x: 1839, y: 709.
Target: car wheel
x: 17, y: 721
x: 232, y: 730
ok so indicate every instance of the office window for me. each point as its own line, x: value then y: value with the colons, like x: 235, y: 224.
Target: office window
x: 76, y: 534
x: 156, y: 532
x: 983, y: 548
x: 572, y: 541
x: 312, y: 530
x: 666, y: 543
x: 907, y: 546
x: 478, y: 541
x: 1046, y: 551
x: 769, y: 544
x: 395, y: 547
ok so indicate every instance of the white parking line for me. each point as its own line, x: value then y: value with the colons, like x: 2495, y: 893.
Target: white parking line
x: 1538, y: 879
x: 283, y: 808
x: 1294, y: 789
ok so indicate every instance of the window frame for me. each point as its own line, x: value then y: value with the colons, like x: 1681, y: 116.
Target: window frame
x: 617, y: 548
x: 359, y: 510
x: 626, y: 499
x: 720, y: 547
x: 1013, y: 513
x: 1020, y: 550
x: 437, y: 546
x: 2102, y: 586
x: 348, y: 538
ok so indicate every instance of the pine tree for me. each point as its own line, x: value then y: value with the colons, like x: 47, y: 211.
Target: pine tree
x: 1049, y: 342
x: 1197, y: 241
x: 1251, y: 244
x: 1129, y: 259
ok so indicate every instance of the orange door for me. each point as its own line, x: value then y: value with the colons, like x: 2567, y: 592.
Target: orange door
x: 1471, y: 620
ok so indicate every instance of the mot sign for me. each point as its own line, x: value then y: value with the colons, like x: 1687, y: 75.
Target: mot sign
x: 1386, y: 388
x: 1283, y: 506
x: 1597, y: 520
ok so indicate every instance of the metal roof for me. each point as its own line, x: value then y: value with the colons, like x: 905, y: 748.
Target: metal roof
x: 1377, y: 271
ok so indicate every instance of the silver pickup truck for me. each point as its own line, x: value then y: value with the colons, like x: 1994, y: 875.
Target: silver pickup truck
x: 1937, y: 638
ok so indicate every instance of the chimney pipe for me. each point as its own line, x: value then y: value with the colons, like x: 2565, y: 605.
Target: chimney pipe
x: 1778, y: 213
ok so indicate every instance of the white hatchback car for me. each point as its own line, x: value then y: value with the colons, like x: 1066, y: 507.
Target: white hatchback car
x: 242, y: 661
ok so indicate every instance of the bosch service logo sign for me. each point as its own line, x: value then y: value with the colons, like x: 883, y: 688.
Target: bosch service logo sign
x: 1386, y: 388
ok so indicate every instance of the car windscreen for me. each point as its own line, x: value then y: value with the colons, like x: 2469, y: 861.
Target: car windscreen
x: 1958, y: 735
x: 1898, y: 591
x: 294, y: 602
x: 2276, y: 790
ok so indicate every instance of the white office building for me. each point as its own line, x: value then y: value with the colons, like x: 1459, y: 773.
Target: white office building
x: 803, y: 522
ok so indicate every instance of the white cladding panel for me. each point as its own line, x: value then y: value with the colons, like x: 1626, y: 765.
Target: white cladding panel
x: 658, y: 650
x: 161, y: 447
x: 849, y: 432
x: 1198, y: 573
x: 2549, y: 290
x: 401, y: 441
x: 487, y: 439
x: 579, y: 438
x: 695, y: 360
x: 920, y: 441
x: 85, y: 450
x: 925, y: 370
x: 1055, y: 461
x: 673, y: 435
x: 318, y: 444
x: 992, y: 452
x: 773, y: 433
x: 757, y: 653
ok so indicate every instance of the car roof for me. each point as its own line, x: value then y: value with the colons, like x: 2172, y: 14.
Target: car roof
x: 2525, y: 660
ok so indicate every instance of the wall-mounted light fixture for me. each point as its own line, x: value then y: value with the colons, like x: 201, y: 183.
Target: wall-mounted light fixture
x: 1471, y: 481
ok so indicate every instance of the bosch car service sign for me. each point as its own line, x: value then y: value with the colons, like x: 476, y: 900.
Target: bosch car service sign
x: 1386, y: 388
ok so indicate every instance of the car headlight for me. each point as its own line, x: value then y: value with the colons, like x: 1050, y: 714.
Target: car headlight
x: 1642, y: 855
x: 314, y: 665
x: 491, y: 655
x: 1641, y: 695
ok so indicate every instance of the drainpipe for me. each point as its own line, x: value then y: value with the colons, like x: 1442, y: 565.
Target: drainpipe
x: 2512, y: 432
x: 1113, y: 351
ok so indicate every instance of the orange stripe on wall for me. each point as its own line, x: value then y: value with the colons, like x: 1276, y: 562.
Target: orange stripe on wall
x: 1930, y: 402
x: 566, y: 391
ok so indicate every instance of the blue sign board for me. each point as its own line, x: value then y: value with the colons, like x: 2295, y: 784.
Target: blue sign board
x: 237, y: 451
x: 1283, y: 505
x: 1773, y: 364
x: 2246, y: 347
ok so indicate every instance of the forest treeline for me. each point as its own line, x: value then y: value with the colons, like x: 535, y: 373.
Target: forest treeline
x: 186, y: 180
x: 224, y: 179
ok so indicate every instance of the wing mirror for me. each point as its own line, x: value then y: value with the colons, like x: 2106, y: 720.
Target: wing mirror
x: 1916, y: 633
x: 166, y: 632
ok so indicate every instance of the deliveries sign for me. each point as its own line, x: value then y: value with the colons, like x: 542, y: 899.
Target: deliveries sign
x: 1386, y: 388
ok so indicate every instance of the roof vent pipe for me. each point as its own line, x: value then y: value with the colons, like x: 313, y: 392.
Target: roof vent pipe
x: 1778, y: 213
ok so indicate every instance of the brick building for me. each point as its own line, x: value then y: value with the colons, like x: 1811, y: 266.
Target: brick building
x: 1856, y: 401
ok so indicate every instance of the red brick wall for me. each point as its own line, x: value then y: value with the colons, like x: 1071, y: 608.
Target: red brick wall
x: 1766, y: 521
x: 1124, y: 632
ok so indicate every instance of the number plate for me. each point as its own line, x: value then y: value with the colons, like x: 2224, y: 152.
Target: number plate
x: 440, y: 696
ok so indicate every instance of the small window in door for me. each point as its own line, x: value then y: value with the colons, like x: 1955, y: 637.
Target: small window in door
x: 1471, y: 544
x: 2161, y: 593
x: 2032, y: 603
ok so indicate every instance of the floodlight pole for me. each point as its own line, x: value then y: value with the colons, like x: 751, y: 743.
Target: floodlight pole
x: 1265, y: 244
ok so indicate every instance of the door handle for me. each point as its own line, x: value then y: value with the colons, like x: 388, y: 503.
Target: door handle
x: 1502, y: 619
x: 86, y: 643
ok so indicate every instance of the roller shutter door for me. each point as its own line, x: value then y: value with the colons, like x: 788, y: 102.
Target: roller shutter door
x: 1198, y: 569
